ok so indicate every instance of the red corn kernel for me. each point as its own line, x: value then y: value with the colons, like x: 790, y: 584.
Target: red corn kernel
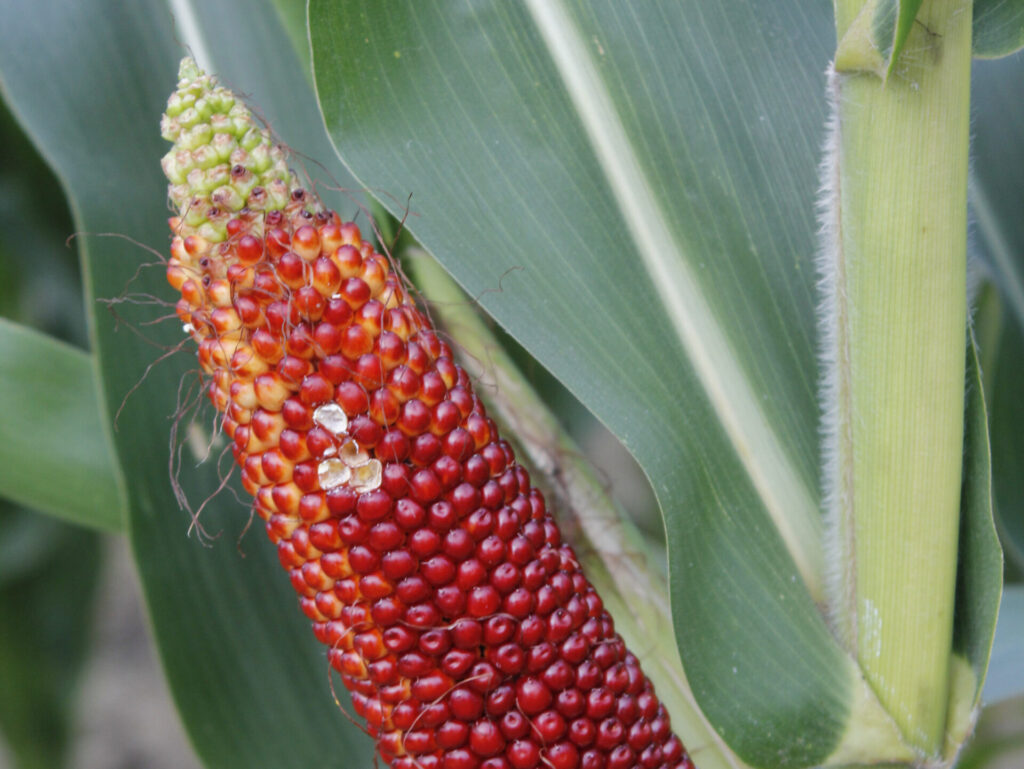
x: 582, y: 732
x: 429, y: 687
x: 309, y: 302
x: 337, y: 312
x: 514, y: 724
x: 387, y: 611
x: 306, y: 242
x: 425, y: 449
x: 442, y: 516
x: 365, y: 431
x: 341, y: 501
x: 394, y: 447
x: 315, y: 389
x: 540, y: 656
x: 466, y: 704
x: 563, y: 755
x: 486, y: 739
x: 524, y: 754
x: 505, y: 579
x: 559, y: 675
x: 451, y: 600
x: 330, y: 237
x: 414, y: 417
x: 532, y: 696
x: 291, y: 270
x: 425, y: 486
x: 621, y: 757
x: 484, y: 677
x: 355, y: 342
x: 509, y: 659
x: 458, y: 543
x: 385, y: 537
x: 300, y: 341
x: 413, y: 590
x: 395, y: 477
x: 491, y: 550
x: 438, y: 570
x: 363, y: 559
x: 457, y: 661
x: 423, y: 615
x: 483, y: 601
x: 452, y: 734
x: 500, y: 700
x: 424, y: 542
x: 470, y: 573
x: 374, y: 505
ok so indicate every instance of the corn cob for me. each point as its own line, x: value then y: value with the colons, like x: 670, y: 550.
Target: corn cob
x: 457, y: 618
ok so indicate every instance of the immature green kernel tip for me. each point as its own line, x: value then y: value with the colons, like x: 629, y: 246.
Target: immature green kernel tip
x: 188, y: 70
x: 221, y: 154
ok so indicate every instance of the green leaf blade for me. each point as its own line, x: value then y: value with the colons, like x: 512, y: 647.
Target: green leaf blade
x: 293, y: 18
x: 1003, y: 342
x: 468, y: 110
x: 980, y: 565
x: 53, y: 446
x: 998, y: 28
x: 668, y: 265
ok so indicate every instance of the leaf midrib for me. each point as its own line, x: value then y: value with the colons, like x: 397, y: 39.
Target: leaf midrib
x: 787, y: 499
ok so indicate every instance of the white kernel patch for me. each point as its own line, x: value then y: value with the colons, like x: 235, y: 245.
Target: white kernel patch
x: 367, y: 477
x: 331, y: 417
x: 332, y: 473
x: 351, y: 454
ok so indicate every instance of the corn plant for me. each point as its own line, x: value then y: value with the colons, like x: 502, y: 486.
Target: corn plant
x: 749, y: 237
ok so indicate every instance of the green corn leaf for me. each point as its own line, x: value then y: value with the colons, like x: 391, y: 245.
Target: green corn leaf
x: 293, y: 18
x: 53, y: 447
x: 1001, y: 340
x: 998, y: 27
x: 1004, y: 373
x: 39, y: 284
x: 980, y: 563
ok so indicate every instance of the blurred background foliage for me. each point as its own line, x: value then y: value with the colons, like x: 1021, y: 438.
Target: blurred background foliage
x: 48, y: 570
